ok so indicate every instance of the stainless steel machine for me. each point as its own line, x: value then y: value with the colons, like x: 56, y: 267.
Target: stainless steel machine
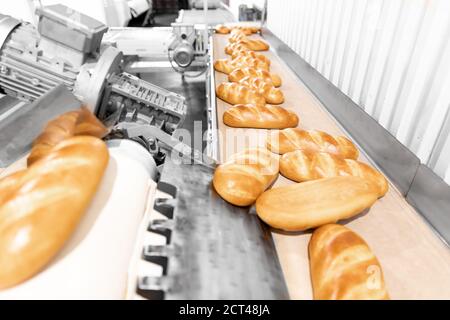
x: 66, y: 48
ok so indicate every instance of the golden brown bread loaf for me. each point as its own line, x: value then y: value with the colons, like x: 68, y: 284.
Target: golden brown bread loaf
x: 248, y: 30
x: 224, y: 66
x: 289, y: 140
x: 247, y: 61
x: 302, y: 166
x: 41, y: 206
x: 231, y: 48
x: 314, y: 203
x: 254, y: 44
x: 72, y: 123
x: 221, y: 29
x: 249, y: 44
x: 227, y: 66
x: 267, y: 90
x: 237, y: 74
x: 245, y: 176
x: 251, y: 54
x: 343, y: 267
x: 261, y: 117
x: 235, y: 93
x: 237, y: 36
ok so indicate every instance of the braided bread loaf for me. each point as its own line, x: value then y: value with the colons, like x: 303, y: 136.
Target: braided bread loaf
x: 245, y: 176
x: 72, y: 123
x: 235, y: 47
x: 41, y: 206
x: 249, y: 44
x: 314, y: 203
x: 288, y: 140
x: 267, y: 90
x: 247, y: 61
x: 248, y: 30
x: 227, y: 66
x: 237, y: 36
x: 221, y: 29
x: 262, y: 117
x: 251, y: 54
x: 302, y: 166
x: 343, y: 267
x: 234, y: 93
x: 237, y: 74
x: 254, y: 44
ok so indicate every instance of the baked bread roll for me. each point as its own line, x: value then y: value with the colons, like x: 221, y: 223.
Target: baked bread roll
x: 248, y: 30
x: 267, y: 90
x: 41, y: 206
x: 237, y: 74
x: 237, y: 36
x: 235, y: 47
x: 221, y: 29
x: 72, y: 123
x: 247, y: 61
x: 235, y: 93
x: 245, y: 176
x: 343, y: 267
x: 302, y: 166
x: 224, y: 66
x: 312, y: 204
x: 249, y: 44
x: 289, y: 140
x: 254, y: 44
x: 251, y: 54
x: 227, y: 66
x: 261, y: 117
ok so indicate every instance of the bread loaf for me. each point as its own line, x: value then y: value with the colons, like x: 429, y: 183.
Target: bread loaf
x: 78, y: 122
x: 266, y: 89
x: 288, y: 140
x: 247, y: 61
x: 41, y: 206
x: 262, y: 117
x: 251, y: 54
x: 231, y: 48
x: 314, y: 203
x: 250, y: 44
x: 302, y: 166
x: 237, y: 36
x: 221, y: 29
x: 248, y: 30
x: 224, y: 66
x: 234, y: 93
x: 237, y: 74
x: 245, y: 176
x: 343, y: 267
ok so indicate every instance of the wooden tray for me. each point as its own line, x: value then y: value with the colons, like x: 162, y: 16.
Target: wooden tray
x: 416, y: 263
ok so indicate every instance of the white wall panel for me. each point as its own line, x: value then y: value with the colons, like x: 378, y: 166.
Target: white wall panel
x: 392, y: 57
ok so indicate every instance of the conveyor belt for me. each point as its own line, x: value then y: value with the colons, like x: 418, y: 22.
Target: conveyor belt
x: 416, y: 263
